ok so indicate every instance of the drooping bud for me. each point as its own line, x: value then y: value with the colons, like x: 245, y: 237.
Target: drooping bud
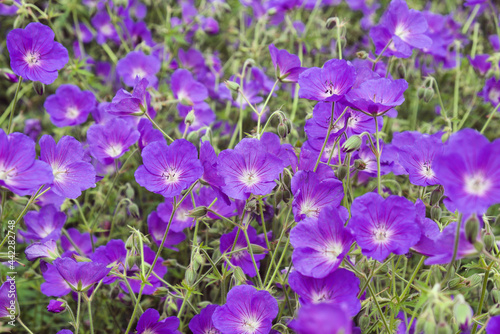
x: 359, y: 164
x: 198, y: 212
x: 251, y: 205
x: 190, y: 276
x: 420, y: 92
x: 362, y: 54
x: 443, y: 328
x: 134, y: 210
x: 436, y: 195
x: 332, y: 22
x: 39, y: 87
x: 401, y: 70
x: 489, y: 241
x: 341, y: 172
x: 190, y: 118
x: 283, y: 130
x: 428, y: 94
x: 472, y: 228
x: 352, y: 144
x: 239, y: 275
x: 235, y: 87
x: 256, y: 249
x: 129, y: 191
x: 436, y: 213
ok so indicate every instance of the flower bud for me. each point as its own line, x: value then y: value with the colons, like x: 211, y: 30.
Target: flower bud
x: 332, y: 22
x: 401, y: 70
x: 359, y: 164
x: 239, y: 275
x: 472, y: 228
x: 232, y: 86
x: 495, y: 295
x: 256, y: 249
x: 489, y: 241
x: 161, y: 292
x: 462, y: 312
x: 478, y: 245
x: 494, y: 311
x: 341, y: 172
x: 443, y: 328
x: 428, y: 94
x: 190, y: 118
x: 198, y: 258
x: 420, y: 92
x: 352, y: 144
x: 455, y: 283
x: 283, y: 130
x: 436, y: 195
x: 129, y: 191
x: 7, y: 74
x: 190, y: 276
x: 362, y: 54
x: 39, y: 87
x: 198, y: 212
x: 436, y: 213
x: 251, y: 205
x: 134, y: 210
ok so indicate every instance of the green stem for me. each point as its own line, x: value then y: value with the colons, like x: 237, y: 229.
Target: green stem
x: 251, y: 254
x: 12, y: 111
x: 483, y: 294
x: 492, y: 114
x: 379, y: 183
x: 413, y: 276
x: 77, y: 325
x: 457, y: 89
x: 158, y: 127
x: 279, y: 263
x: 381, y: 54
x: 379, y: 308
x: 467, y: 24
x: 129, y: 327
x: 24, y: 326
x: 89, y: 301
x: 264, y: 108
x: 455, y: 249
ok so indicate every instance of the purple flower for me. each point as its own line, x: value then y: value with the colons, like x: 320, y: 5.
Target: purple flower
x: 329, y: 83
x: 491, y: 92
x: 242, y: 258
x: 32, y: 128
x: 8, y: 10
x: 180, y: 220
x: 43, y: 225
x: 168, y: 170
x: 340, y: 288
x: 8, y: 298
x: 56, y: 306
x: 377, y: 96
x: 149, y: 323
x: 148, y: 133
x: 383, y: 226
x: 110, y: 141
x: 246, y: 311
x: 33, y: 53
x: 286, y: 65
x: 105, y: 28
x: 322, y: 318
x: 81, y: 240
x: 418, y: 158
x: 312, y: 192
x: 202, y: 323
x: 210, y: 161
x: 248, y: 169
x: 20, y: 172
x: 493, y: 325
x: 186, y: 89
x: 469, y: 170
x: 54, y: 285
x: 65, y: 331
x: 46, y: 250
x: 157, y: 227
x: 69, y: 106
x: 406, y: 27
x: 320, y: 244
x: 135, y: 103
x: 317, y: 126
x: 72, y: 174
x: 480, y: 63
x: 80, y: 276
x: 137, y: 65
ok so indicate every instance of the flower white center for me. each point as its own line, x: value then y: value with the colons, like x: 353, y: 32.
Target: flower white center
x: 249, y: 178
x: 107, y: 29
x: 332, y: 251
x: 138, y: 72
x: 250, y: 325
x: 477, y: 185
x: 58, y: 173
x: 171, y: 175
x: 381, y: 234
x: 72, y: 112
x: 494, y: 95
x: 330, y: 88
x: 182, y: 215
x: 309, y: 209
x: 32, y: 58
x: 114, y: 150
x: 401, y: 31
x: 5, y: 174
x: 426, y: 170
x: 320, y: 296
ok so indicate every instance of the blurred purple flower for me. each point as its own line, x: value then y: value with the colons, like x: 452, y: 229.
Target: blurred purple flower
x: 69, y: 106
x: 137, y: 65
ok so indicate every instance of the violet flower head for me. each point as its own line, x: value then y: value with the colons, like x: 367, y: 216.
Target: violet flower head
x: 69, y: 106
x: 247, y: 310
x: 242, y: 258
x: 148, y: 133
x: 43, y: 225
x: 202, y: 323
x: 181, y: 219
x: 137, y: 65
x: 322, y: 318
x: 105, y: 28
x: 149, y: 323
x: 320, y: 244
x: 383, y: 226
x: 54, y: 285
x: 491, y: 91
x: 402, y: 29
x: 135, y: 103
x: 286, y: 65
x: 32, y: 128
x: 56, y: 306
x: 469, y: 170
x: 110, y: 141
x: 493, y: 325
x: 312, y: 192
x: 202, y: 113
x: 34, y: 55
x: 418, y: 158
x: 20, y: 172
x: 7, y: 289
x: 168, y: 170
x: 81, y: 240
x: 45, y: 250
x: 340, y: 288
x: 80, y: 275
x: 249, y: 169
x: 480, y: 63
x: 72, y: 174
x: 186, y: 89
x: 157, y: 227
x: 377, y: 96
x: 329, y: 83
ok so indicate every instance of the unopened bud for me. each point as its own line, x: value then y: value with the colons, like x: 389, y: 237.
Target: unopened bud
x: 251, y: 205
x: 190, y: 118
x: 190, y: 276
x: 489, y: 241
x: 198, y: 212
x: 478, y: 245
x: 472, y: 228
x: 436, y: 195
x: 239, y: 275
x: 443, y: 328
x: 232, y: 86
x: 455, y: 283
x: 283, y: 130
x: 39, y: 87
x: 494, y: 311
x: 359, y: 164
x: 436, y: 213
x: 332, y: 22
x: 134, y: 210
x: 256, y: 249
x: 129, y: 192
x: 401, y: 69
x: 341, y: 172
x: 362, y: 54
x: 421, y: 92
x: 161, y: 292
x: 352, y: 144
x: 428, y: 94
